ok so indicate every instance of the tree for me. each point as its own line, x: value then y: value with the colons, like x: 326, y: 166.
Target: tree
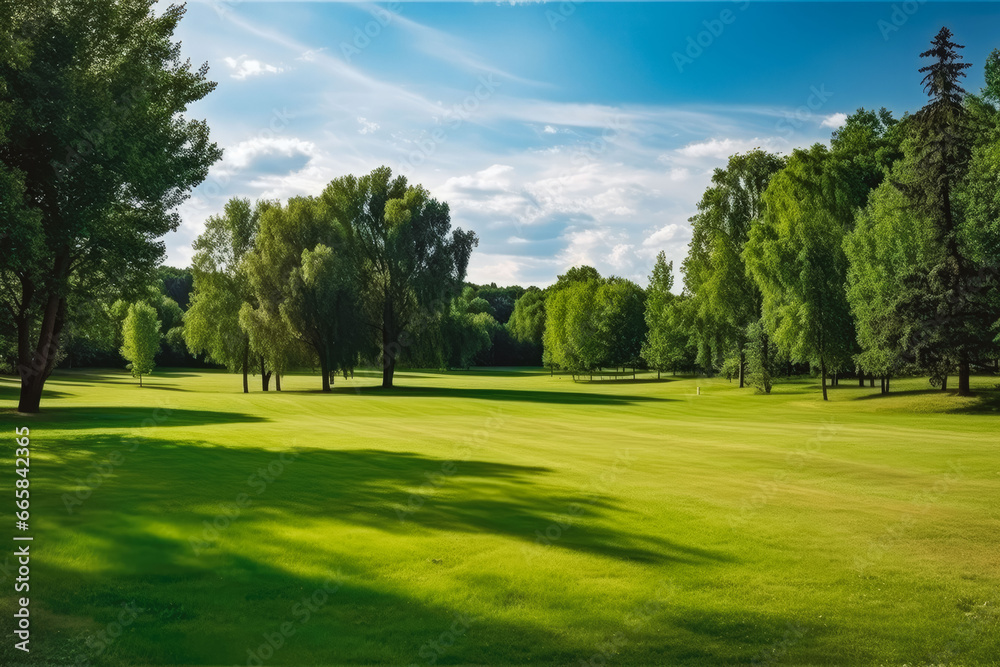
x: 946, y: 305
x: 572, y: 337
x: 666, y: 344
x: 95, y: 155
x: 725, y: 299
x: 322, y: 307
x: 141, y: 336
x: 882, y: 249
x: 527, y: 322
x: 467, y: 329
x: 620, y: 308
x: 412, y: 262
x: 796, y: 259
x: 212, y: 323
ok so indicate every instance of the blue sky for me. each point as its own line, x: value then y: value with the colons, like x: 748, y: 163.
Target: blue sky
x: 563, y: 133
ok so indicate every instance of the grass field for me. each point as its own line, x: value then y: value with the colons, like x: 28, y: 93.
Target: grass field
x: 507, y: 517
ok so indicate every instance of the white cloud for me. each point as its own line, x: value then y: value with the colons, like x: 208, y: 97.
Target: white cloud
x: 550, y: 130
x: 834, y: 120
x: 367, y: 126
x: 311, y: 55
x: 721, y: 149
x: 241, y: 155
x: 670, y: 233
x: 245, y: 67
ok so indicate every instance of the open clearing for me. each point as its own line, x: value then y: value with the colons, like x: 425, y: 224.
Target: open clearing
x: 509, y: 517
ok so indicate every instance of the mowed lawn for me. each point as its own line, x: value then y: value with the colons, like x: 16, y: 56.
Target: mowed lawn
x: 506, y: 517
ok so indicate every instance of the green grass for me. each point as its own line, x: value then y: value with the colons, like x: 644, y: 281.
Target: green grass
x: 725, y: 528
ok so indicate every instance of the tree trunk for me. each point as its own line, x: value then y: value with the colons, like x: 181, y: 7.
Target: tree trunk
x: 871, y: 381
x: 265, y: 376
x: 964, y: 387
x: 861, y: 379
x: 887, y: 379
x: 944, y: 382
x: 388, y: 354
x: 140, y: 379
x: 822, y: 370
x: 277, y: 382
x: 246, y: 367
x: 743, y: 363
x: 324, y: 366
x: 36, y: 367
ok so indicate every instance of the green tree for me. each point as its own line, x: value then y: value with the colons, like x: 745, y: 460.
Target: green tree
x: 796, y: 259
x: 882, y: 249
x: 141, y: 336
x: 572, y: 339
x: 667, y: 339
x: 95, y: 155
x: 221, y: 287
x: 946, y: 307
x: 620, y: 317
x: 527, y: 322
x: 725, y: 300
x: 323, y: 307
x: 413, y: 263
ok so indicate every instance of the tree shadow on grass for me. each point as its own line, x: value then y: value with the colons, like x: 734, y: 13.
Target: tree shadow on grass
x: 986, y: 401
x: 11, y: 391
x: 130, y: 541
x: 516, y: 395
x: 84, y: 418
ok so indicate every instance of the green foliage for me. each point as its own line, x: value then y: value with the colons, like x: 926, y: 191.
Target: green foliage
x: 412, y: 262
x: 221, y: 286
x: 620, y: 309
x: 527, y: 322
x: 667, y: 339
x: 762, y: 358
x: 725, y: 299
x: 949, y: 303
x: 141, y: 339
x: 95, y: 154
x: 322, y: 307
x: 176, y: 284
x: 795, y: 256
x: 887, y: 242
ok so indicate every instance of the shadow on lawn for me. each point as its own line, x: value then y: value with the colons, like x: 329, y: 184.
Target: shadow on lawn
x: 84, y: 418
x: 517, y: 395
x: 987, y: 401
x: 138, y: 525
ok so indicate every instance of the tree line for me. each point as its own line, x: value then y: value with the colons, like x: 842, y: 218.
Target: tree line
x: 356, y: 274
x: 876, y: 256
